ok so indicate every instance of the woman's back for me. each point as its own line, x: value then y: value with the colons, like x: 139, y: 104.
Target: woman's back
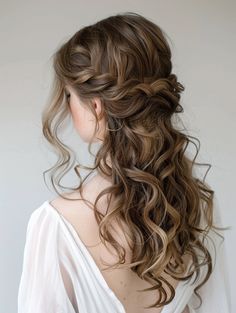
x: 62, y: 271
x: 123, y: 282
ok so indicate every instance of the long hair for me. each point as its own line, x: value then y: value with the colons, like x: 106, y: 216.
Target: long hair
x: 125, y: 60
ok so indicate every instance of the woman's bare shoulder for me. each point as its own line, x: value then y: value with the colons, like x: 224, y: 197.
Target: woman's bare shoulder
x: 67, y: 203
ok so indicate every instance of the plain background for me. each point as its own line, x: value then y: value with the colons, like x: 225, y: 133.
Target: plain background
x: 203, y: 46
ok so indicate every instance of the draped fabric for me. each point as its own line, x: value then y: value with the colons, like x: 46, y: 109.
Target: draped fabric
x: 59, y: 275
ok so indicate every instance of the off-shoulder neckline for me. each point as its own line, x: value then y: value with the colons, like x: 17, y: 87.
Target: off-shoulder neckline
x: 88, y: 254
x: 94, y: 264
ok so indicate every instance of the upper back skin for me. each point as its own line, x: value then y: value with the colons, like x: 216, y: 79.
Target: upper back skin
x: 123, y: 282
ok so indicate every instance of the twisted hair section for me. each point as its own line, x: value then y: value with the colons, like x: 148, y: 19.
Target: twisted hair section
x: 125, y: 60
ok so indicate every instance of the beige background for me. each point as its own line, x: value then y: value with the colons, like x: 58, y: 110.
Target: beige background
x: 203, y: 45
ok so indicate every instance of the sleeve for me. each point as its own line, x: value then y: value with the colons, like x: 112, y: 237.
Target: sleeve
x: 41, y: 288
x: 215, y: 293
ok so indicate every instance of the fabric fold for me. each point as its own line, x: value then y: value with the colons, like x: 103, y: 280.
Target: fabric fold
x: 59, y: 274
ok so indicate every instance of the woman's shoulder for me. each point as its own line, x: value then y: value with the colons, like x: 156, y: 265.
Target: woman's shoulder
x: 68, y: 205
x: 55, y: 205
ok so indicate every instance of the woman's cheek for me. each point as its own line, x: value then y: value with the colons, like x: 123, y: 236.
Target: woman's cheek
x: 83, y: 125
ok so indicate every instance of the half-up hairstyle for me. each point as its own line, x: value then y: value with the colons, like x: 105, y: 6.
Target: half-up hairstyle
x: 125, y: 60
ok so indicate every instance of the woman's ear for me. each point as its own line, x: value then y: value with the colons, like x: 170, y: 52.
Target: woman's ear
x: 98, y: 106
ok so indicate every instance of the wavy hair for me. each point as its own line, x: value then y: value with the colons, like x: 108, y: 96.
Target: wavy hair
x: 125, y: 60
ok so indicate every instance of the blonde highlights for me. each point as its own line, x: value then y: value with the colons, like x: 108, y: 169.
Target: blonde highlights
x: 125, y: 60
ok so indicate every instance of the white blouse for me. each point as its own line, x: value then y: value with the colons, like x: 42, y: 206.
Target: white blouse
x: 59, y: 275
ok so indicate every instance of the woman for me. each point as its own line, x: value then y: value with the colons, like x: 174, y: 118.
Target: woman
x: 144, y: 211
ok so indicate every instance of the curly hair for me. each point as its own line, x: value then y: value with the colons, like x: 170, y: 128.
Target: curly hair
x: 125, y: 60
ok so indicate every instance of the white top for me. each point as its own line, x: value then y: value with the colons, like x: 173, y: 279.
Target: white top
x: 60, y: 275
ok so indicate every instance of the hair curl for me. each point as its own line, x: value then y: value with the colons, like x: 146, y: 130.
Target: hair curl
x: 125, y: 60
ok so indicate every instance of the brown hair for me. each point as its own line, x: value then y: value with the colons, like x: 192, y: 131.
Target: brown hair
x: 125, y: 60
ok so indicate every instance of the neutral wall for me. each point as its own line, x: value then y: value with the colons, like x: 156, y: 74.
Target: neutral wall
x: 203, y: 46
